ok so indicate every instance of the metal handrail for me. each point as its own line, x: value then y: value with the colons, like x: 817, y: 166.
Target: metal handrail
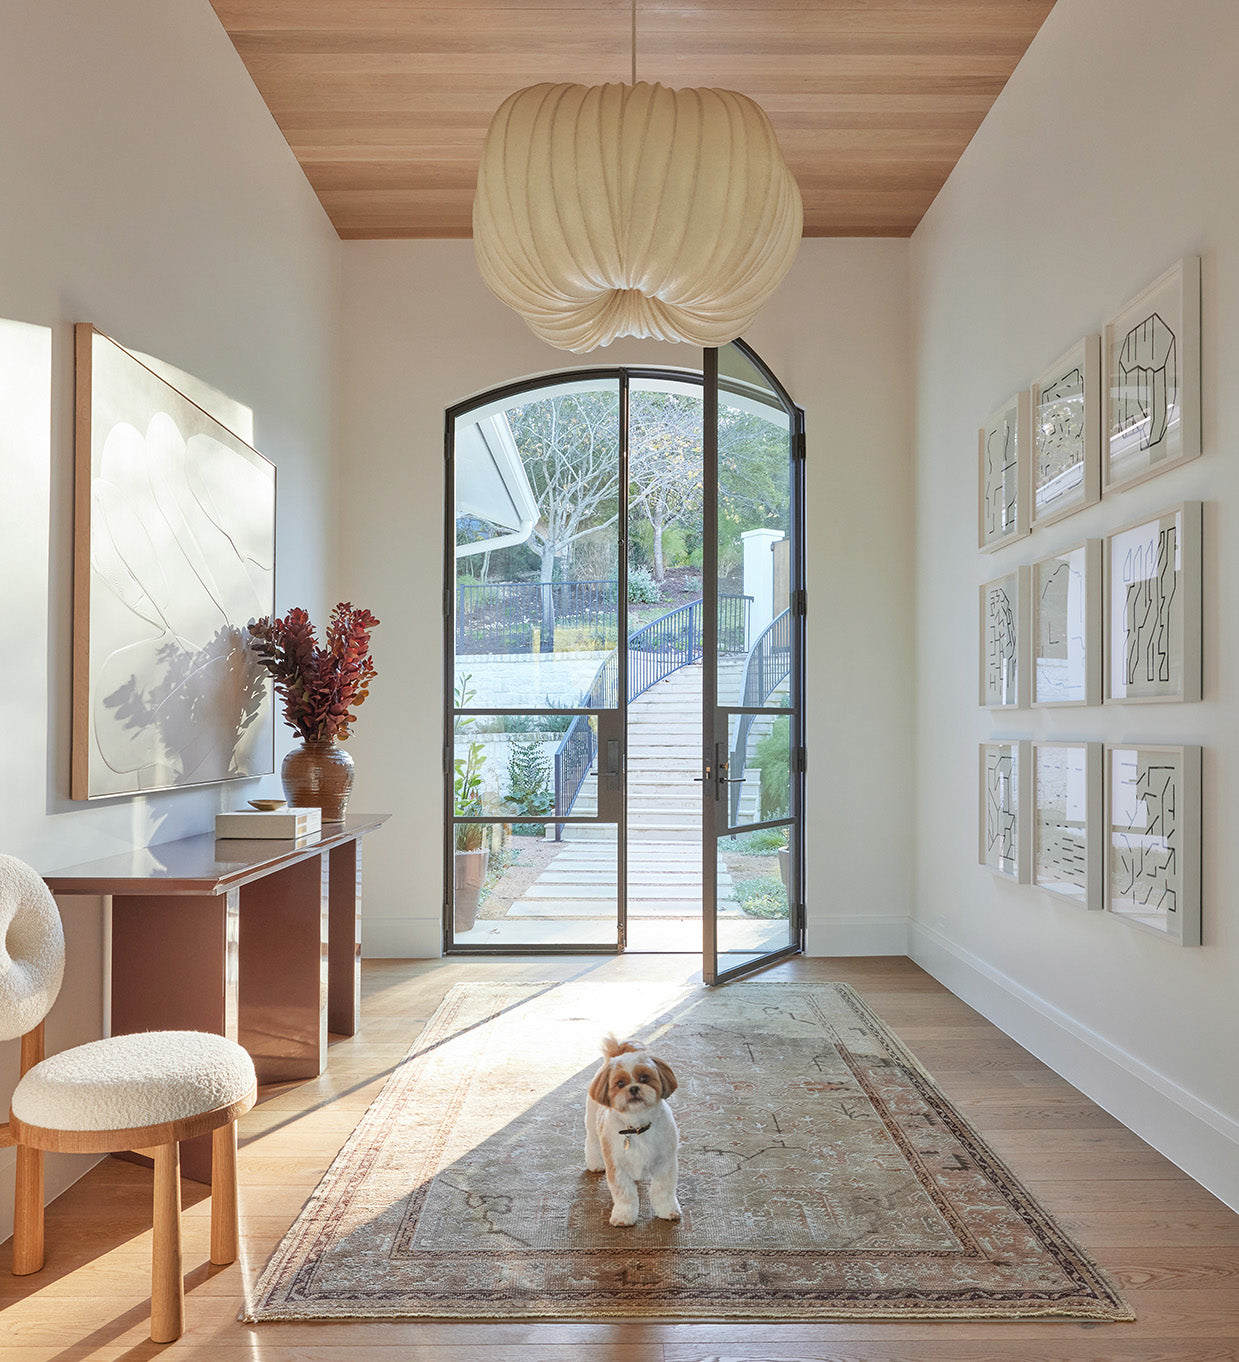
x: 767, y: 666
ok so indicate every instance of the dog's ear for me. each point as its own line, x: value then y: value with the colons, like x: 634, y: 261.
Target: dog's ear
x: 600, y: 1088
x: 668, y: 1078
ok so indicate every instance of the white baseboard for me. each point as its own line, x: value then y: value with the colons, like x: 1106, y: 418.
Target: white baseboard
x: 1193, y: 1135
x: 856, y: 935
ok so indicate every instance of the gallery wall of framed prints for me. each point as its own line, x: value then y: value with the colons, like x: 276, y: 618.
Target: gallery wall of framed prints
x: 1112, y: 619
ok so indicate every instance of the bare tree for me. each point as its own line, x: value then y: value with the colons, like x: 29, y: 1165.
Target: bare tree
x: 569, y: 446
x: 665, y: 463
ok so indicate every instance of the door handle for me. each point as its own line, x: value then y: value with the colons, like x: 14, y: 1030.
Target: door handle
x: 614, y: 760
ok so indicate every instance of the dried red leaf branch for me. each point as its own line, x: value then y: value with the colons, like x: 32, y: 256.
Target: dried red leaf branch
x: 320, y: 684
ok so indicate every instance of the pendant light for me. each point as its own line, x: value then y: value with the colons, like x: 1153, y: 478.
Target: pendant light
x: 633, y: 210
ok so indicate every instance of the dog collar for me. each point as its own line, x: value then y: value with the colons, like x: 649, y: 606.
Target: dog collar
x: 637, y: 1130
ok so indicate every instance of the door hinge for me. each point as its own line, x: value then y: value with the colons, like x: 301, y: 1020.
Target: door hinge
x: 802, y: 759
x: 798, y: 445
x: 447, y: 759
x: 800, y: 602
x: 447, y: 602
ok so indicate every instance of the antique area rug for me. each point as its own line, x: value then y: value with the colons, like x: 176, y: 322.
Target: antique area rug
x: 823, y: 1175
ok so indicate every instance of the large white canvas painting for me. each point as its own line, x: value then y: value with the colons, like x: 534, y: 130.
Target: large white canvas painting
x: 174, y: 555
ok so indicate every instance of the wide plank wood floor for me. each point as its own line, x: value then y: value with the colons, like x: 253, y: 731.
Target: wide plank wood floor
x: 1171, y: 1246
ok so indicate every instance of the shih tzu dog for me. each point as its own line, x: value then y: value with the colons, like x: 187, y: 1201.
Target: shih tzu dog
x: 630, y: 1133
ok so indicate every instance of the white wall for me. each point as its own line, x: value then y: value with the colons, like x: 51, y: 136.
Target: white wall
x: 1110, y: 154
x: 145, y: 189
x: 421, y: 333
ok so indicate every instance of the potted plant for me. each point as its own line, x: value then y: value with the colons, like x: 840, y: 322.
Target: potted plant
x: 471, y: 860
x: 321, y: 686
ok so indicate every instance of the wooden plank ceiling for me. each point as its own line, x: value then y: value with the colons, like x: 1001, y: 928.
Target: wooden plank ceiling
x: 385, y: 102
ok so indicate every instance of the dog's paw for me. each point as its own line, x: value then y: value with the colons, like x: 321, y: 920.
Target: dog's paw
x: 595, y: 1168
x: 620, y: 1218
x: 672, y: 1213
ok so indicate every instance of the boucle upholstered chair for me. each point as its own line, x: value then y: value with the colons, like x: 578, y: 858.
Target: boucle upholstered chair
x: 142, y: 1092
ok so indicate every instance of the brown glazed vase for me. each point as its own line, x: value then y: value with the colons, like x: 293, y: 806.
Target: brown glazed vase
x: 318, y: 775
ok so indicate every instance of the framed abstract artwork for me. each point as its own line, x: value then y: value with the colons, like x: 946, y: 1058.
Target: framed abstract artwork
x: 1066, y: 433
x: 174, y: 553
x: 1152, y: 364
x: 1068, y: 852
x: 1005, y: 776
x: 1003, y: 463
x: 1153, y: 817
x: 1004, y: 641
x: 1152, y: 592
x: 1066, y: 626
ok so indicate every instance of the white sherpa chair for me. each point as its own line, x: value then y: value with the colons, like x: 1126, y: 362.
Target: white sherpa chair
x: 142, y: 1092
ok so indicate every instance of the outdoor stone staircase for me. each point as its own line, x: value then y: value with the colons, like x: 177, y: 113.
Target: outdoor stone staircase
x: 664, y: 822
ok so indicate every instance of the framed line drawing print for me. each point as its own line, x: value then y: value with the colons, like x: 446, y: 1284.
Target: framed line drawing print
x: 1004, y: 646
x: 1066, y: 626
x: 1066, y: 433
x: 1004, y: 806
x: 1153, y: 821
x: 1003, y: 461
x: 1152, y: 364
x: 1152, y: 590
x: 1067, y: 847
x: 174, y: 553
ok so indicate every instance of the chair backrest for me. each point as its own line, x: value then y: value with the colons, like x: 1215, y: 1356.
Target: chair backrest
x: 32, y: 949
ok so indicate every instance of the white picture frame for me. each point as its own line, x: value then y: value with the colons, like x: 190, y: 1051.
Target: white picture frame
x: 1065, y: 426
x: 1151, y: 351
x: 1153, y: 833
x: 1153, y: 608
x: 1003, y: 679
x: 1067, y: 848
x: 1002, y: 472
x: 1065, y: 630
x: 1005, y: 800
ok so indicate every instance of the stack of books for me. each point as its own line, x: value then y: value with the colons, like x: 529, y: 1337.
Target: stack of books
x: 284, y: 824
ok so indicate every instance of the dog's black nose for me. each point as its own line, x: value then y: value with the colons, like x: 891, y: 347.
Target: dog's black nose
x: 635, y: 1089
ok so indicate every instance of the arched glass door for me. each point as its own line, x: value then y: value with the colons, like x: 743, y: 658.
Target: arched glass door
x: 613, y: 560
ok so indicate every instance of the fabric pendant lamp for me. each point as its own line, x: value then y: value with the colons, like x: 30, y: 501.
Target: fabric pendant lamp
x: 633, y: 210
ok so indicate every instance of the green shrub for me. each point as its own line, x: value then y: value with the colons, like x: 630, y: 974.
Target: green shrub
x: 763, y: 842
x: 773, y: 755
x: 760, y: 897
x: 642, y: 588
x: 529, y: 778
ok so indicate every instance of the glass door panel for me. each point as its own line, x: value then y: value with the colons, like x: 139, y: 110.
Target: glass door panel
x: 535, y: 761
x: 665, y: 649
x: 752, y: 690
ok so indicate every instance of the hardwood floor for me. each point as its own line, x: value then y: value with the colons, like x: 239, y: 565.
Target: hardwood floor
x: 1172, y: 1248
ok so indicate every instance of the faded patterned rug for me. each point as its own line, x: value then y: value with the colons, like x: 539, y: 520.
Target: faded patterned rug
x: 823, y: 1175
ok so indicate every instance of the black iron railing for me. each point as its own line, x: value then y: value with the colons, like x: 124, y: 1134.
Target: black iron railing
x: 506, y: 617
x: 657, y: 649
x: 767, y: 666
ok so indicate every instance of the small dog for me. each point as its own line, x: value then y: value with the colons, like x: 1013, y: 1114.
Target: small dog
x: 630, y: 1133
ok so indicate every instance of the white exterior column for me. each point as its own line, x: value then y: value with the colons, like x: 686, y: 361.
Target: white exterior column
x: 759, y: 579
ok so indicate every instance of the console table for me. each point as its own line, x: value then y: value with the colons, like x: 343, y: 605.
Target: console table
x: 258, y: 940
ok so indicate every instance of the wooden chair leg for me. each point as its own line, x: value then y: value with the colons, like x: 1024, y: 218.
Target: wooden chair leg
x: 224, y: 1205
x: 28, y: 1212
x: 167, y: 1279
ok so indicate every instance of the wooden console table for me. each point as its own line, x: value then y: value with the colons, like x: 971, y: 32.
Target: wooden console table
x: 256, y: 940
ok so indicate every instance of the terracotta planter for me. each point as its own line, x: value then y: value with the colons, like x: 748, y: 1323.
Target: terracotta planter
x: 318, y: 775
x: 469, y: 877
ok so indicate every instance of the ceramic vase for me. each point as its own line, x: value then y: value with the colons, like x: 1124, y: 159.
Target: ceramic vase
x: 318, y: 774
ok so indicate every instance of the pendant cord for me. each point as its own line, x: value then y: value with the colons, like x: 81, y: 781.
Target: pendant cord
x: 634, y: 41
